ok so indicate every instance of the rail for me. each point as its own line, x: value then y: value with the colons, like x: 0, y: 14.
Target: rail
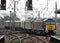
x: 22, y: 37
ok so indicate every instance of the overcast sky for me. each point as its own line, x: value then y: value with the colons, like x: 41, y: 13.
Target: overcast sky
x: 38, y: 5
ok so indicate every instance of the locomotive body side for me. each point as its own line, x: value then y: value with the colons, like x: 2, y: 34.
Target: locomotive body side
x: 47, y: 26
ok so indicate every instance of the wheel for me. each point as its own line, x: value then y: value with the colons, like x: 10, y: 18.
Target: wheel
x: 37, y: 32
x: 32, y: 31
x: 28, y: 31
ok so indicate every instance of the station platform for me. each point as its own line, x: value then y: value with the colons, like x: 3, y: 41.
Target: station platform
x: 55, y: 39
x: 2, y: 40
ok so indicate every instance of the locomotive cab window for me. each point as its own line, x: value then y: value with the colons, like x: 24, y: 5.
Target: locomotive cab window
x: 47, y: 22
x: 53, y: 22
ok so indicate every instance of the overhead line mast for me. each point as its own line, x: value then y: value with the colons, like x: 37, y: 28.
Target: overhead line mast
x: 56, y: 10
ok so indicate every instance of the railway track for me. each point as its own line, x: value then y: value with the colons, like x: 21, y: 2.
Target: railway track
x: 40, y: 39
x: 30, y: 39
x: 21, y: 37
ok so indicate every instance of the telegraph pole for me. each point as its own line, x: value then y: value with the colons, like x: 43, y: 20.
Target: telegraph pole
x: 14, y: 15
x: 56, y: 10
x: 47, y: 4
x: 0, y: 4
x: 39, y: 14
x: 10, y: 20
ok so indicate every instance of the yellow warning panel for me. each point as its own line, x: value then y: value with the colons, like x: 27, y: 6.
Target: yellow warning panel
x: 50, y: 27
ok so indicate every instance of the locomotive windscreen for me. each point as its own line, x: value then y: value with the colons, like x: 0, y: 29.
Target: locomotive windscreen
x: 47, y: 22
x: 50, y: 22
x: 53, y: 22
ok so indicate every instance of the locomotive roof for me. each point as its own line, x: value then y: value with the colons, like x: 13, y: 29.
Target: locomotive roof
x: 38, y: 20
x: 44, y: 20
x: 12, y: 21
x: 48, y: 20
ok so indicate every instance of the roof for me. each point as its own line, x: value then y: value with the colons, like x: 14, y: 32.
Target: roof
x: 38, y: 20
x: 12, y: 21
x: 48, y: 20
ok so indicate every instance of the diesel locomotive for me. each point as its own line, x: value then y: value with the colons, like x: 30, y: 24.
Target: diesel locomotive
x: 45, y: 26
x: 49, y: 26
